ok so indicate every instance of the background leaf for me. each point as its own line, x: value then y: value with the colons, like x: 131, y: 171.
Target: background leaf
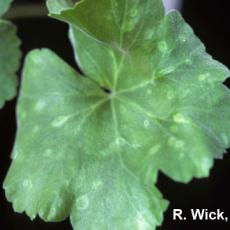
x: 58, y: 6
x: 9, y: 60
x: 4, y: 6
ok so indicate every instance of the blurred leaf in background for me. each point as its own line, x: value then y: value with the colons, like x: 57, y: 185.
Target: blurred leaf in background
x: 4, y: 6
x: 9, y: 56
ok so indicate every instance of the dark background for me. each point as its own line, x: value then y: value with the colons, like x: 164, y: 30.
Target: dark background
x: 210, y: 20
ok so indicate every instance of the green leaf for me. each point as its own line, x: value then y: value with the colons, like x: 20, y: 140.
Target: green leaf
x: 155, y: 69
x: 73, y: 163
x: 9, y: 60
x: 117, y: 22
x: 116, y: 35
x: 94, y: 156
x: 58, y: 6
x: 4, y: 6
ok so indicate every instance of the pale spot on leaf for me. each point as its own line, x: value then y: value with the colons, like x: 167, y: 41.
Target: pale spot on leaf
x: 162, y: 46
x: 167, y: 70
x: 97, y: 184
x: 180, y: 118
x: 170, y: 95
x: 60, y: 121
x: 175, y: 142
x: 27, y: 184
x: 149, y: 91
x: 129, y: 26
x: 154, y: 149
x: 182, y: 39
x: 35, y: 129
x: 120, y: 141
x: 146, y: 123
x: 141, y: 222
x: 204, y: 165
x: 135, y: 146
x: 40, y: 105
x: 82, y: 202
x: 188, y: 61
x: 203, y: 77
x: 23, y: 115
x: 134, y: 12
x: 48, y: 152
x: 149, y: 34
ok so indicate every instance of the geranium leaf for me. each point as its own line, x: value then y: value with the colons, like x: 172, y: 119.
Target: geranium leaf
x: 9, y: 60
x: 62, y: 113
x: 121, y: 34
x: 160, y: 65
x: 151, y: 99
x: 4, y: 6
x: 58, y: 6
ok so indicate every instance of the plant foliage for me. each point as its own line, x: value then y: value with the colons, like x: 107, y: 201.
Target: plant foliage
x: 9, y: 56
x: 93, y: 154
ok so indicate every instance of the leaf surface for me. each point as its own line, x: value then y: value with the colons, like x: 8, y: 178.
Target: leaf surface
x: 94, y: 156
x: 152, y: 71
x: 73, y: 177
